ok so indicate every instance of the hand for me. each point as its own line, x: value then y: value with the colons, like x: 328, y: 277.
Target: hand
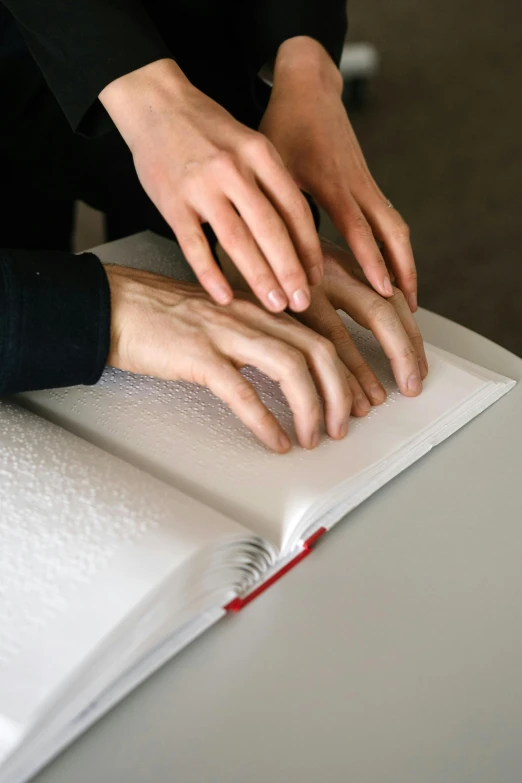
x: 308, y: 125
x: 172, y: 330
x: 344, y: 287
x: 198, y: 164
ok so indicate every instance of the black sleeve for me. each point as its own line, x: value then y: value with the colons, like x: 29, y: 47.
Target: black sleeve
x: 83, y: 45
x: 273, y: 21
x: 54, y: 320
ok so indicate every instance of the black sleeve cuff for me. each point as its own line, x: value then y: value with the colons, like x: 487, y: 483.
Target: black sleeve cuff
x: 274, y: 22
x: 54, y: 320
x: 83, y: 46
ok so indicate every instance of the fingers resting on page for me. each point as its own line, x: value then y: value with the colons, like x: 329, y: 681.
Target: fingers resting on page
x: 345, y: 287
x: 390, y: 319
x: 174, y: 331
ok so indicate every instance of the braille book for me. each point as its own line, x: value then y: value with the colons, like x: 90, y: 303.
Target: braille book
x: 136, y: 513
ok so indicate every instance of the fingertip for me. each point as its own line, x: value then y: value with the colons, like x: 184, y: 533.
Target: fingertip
x: 387, y: 286
x: 362, y: 404
x: 343, y: 429
x: 284, y: 443
x: 413, y: 386
x: 221, y: 293
x: 412, y: 302
x: 423, y: 368
x: 377, y: 394
x: 277, y: 301
x: 300, y: 300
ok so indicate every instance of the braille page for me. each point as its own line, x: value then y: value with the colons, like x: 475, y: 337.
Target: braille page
x: 182, y: 434
x: 84, y: 538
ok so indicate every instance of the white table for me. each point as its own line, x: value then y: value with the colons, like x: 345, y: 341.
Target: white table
x: 393, y: 653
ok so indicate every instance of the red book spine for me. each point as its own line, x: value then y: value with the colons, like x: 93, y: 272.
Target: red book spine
x: 238, y: 603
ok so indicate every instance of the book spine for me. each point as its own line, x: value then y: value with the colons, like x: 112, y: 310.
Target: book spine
x: 239, y: 602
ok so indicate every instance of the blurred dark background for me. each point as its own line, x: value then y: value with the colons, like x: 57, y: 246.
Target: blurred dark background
x: 441, y: 130
x: 442, y: 133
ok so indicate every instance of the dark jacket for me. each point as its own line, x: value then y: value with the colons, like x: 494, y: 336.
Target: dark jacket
x: 55, y: 307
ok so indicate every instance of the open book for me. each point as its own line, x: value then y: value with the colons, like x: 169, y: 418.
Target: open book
x: 135, y: 513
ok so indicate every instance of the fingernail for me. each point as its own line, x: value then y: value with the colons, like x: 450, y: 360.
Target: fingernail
x: 277, y: 299
x: 316, y: 275
x: 362, y: 403
x: 412, y: 301
x: 301, y: 299
x: 377, y: 393
x: 315, y: 439
x: 222, y: 294
x: 284, y: 441
x: 414, y: 383
x: 386, y: 284
x: 343, y: 429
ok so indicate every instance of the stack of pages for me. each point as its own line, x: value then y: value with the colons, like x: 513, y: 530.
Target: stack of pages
x: 133, y: 513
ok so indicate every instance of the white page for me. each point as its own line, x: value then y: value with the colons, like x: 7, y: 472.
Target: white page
x: 84, y: 538
x: 182, y: 434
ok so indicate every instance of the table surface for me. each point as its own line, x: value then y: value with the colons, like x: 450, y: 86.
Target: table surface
x: 392, y: 654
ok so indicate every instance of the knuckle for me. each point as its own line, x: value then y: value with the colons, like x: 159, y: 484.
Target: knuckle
x: 193, y: 180
x: 292, y: 360
x: 401, y: 230
x: 299, y: 209
x: 207, y: 367
x: 398, y: 299
x: 244, y: 392
x: 359, y: 368
x: 223, y: 163
x: 256, y: 145
x: 338, y: 334
x: 325, y: 348
x: 408, y: 352
x: 382, y: 312
x: 359, y: 226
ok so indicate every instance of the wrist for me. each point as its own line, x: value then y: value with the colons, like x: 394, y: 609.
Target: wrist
x: 138, y: 100
x: 303, y: 61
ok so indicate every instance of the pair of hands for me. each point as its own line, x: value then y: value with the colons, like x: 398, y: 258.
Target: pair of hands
x: 175, y: 331
x: 198, y: 164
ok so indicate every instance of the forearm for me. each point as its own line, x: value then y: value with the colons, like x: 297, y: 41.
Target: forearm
x: 54, y: 320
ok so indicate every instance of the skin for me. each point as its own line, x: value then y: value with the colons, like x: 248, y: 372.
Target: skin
x: 198, y: 164
x: 308, y: 125
x: 345, y: 287
x: 175, y: 331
